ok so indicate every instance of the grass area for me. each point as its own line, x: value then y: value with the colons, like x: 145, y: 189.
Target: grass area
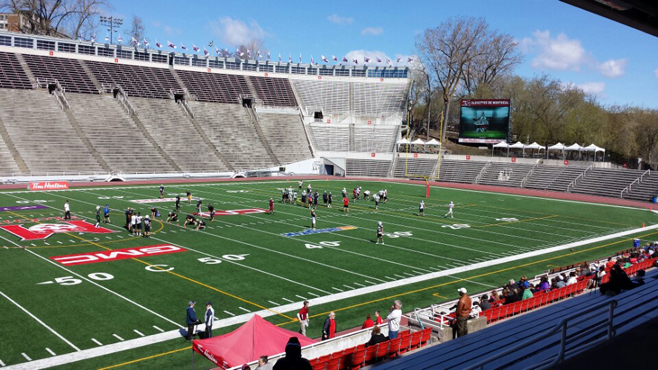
x: 245, y: 264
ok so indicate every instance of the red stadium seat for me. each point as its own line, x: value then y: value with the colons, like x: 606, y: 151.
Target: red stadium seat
x: 394, y: 347
x: 319, y: 365
x: 358, y: 358
x: 415, y: 339
x: 382, y: 349
x: 370, y: 354
x: 334, y: 363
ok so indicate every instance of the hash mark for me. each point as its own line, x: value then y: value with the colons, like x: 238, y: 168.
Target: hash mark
x: 361, y: 285
x: 229, y: 313
x: 59, y: 242
x: 50, y: 351
x: 304, y: 298
x: 414, y: 271
x: 313, y: 294
x: 97, y: 342
x: 286, y: 299
x: 2, y: 363
x: 406, y: 273
x: 158, y: 329
x: 336, y: 289
x: 140, y: 334
x: 389, y: 278
x: 347, y: 286
x: 244, y: 309
x: 274, y: 303
x: 400, y: 276
x: 26, y: 356
x: 118, y: 337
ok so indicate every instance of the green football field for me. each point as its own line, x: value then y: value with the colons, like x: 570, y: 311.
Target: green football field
x: 63, y: 291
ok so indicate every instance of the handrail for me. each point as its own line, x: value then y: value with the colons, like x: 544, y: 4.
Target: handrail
x: 479, y: 176
x: 532, y: 170
x: 573, y: 183
x: 561, y: 328
x: 630, y: 186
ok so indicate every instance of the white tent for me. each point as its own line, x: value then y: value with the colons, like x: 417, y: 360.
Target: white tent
x: 502, y: 144
x: 558, y: 146
x: 517, y: 145
x: 593, y: 148
x: 535, y: 146
x: 573, y: 147
x: 433, y: 142
x: 402, y: 141
x: 418, y: 142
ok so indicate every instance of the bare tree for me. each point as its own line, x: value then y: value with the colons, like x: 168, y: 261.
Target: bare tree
x: 497, y: 55
x: 446, y: 50
x: 137, y: 30
x: 251, y: 49
x: 84, y: 21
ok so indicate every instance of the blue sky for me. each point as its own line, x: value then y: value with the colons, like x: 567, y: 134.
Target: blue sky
x: 616, y: 63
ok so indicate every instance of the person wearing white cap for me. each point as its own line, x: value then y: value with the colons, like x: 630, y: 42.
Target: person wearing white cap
x: 463, y: 312
x: 394, y: 318
x: 147, y: 226
x: 380, y: 233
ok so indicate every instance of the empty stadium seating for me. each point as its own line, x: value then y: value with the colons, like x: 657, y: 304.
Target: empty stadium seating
x: 273, y: 91
x: 285, y: 135
x: 328, y: 96
x: 12, y: 75
x: 460, y: 171
x: 68, y: 72
x: 375, y: 138
x: 375, y: 99
x: 140, y: 81
x: 367, y: 167
x: 330, y: 137
x: 414, y: 167
x: 8, y: 165
x: 644, y: 190
x: 556, y: 178
x: 605, y: 182
x: 114, y: 135
x: 505, y: 174
x: 215, y: 87
x: 44, y: 137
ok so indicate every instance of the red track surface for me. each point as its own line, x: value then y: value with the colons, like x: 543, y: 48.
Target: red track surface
x: 485, y: 188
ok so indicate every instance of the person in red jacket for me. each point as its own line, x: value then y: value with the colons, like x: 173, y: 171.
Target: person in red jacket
x: 368, y: 323
x: 346, y: 205
x: 329, y: 327
x: 378, y: 318
x: 271, y: 206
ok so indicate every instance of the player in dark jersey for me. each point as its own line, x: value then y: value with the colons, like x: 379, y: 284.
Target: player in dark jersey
x: 200, y: 224
x: 189, y: 220
x: 154, y: 212
x: 106, y: 213
x: 330, y: 199
x: 173, y: 216
x: 177, y: 203
x: 129, y: 213
x: 315, y: 199
x: 313, y: 218
x: 161, y: 191
x: 198, y: 207
x: 147, y: 226
x: 380, y: 233
x: 98, y: 216
x: 325, y: 198
x: 211, y: 209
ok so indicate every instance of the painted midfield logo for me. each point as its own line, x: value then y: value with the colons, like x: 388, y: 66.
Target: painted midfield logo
x: 44, y: 231
x: 320, y: 231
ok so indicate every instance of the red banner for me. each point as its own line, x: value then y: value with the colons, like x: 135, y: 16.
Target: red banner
x: 116, y: 254
x: 49, y: 185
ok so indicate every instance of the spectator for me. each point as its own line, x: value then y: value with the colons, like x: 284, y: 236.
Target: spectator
x: 543, y: 284
x: 191, y: 320
x: 303, y: 318
x: 527, y: 293
x: 378, y: 318
x: 394, y: 318
x: 618, y: 281
x: 368, y: 323
x: 377, y: 337
x: 560, y: 281
x: 494, y: 296
x: 484, y: 302
x: 210, y: 319
x: 512, y: 285
x: 611, y: 262
x: 329, y: 327
x: 512, y: 296
x: 462, y: 313
x: 263, y: 363
x: 293, y: 358
x: 572, y: 278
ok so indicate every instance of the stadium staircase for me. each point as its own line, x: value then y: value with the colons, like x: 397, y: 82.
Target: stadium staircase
x: 11, y: 161
x: 47, y: 145
x: 85, y: 140
x: 605, y: 182
x: 556, y: 178
x: 645, y: 189
x: 253, y: 118
x: 26, y: 68
x: 284, y: 133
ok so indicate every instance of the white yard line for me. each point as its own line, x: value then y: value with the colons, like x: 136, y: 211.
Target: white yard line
x: 138, y: 332
x: 118, y: 337
x: 51, y: 352
x: 40, y: 322
x: 96, y: 341
x: 26, y: 356
x: 158, y: 329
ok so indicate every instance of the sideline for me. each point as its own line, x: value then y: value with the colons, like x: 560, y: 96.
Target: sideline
x: 157, y: 338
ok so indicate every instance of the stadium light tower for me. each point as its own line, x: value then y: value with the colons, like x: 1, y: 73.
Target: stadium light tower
x: 112, y: 23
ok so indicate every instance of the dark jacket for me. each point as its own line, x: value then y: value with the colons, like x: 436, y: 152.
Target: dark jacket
x: 325, y: 328
x: 485, y: 305
x: 376, y: 338
x: 293, y: 359
x: 191, y: 316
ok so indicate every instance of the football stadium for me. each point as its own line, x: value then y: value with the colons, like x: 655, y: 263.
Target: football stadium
x: 211, y: 209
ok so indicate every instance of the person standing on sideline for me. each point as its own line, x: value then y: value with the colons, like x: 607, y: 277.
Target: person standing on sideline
x: 161, y: 191
x: 67, y: 210
x: 210, y: 318
x: 394, y: 319
x: 380, y: 233
x: 189, y: 197
x: 98, y: 216
x: 198, y: 206
x: 329, y: 327
x: 421, y: 208
x: 378, y: 318
x: 450, y: 207
x: 177, y: 203
x: 271, y: 206
x: 346, y: 205
x: 191, y: 320
x: 147, y: 227
x: 325, y: 198
x: 463, y: 311
x: 303, y: 318
x: 106, y: 213
x: 330, y: 199
x: 211, y: 209
x: 313, y: 218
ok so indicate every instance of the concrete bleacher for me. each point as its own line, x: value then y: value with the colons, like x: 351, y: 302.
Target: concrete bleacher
x: 12, y: 75
x: 375, y: 138
x: 330, y: 137
x: 329, y: 96
x: 215, y: 87
x: 556, y: 178
x: 114, y: 135
x: 285, y: 135
x: 42, y: 133
x: 8, y: 164
x: 634, y: 308
x: 173, y: 131
x: 367, y: 167
x: 230, y: 129
x: 605, y: 182
x: 460, y: 171
x: 274, y: 91
x: 140, y: 81
x: 371, y: 99
x: 644, y: 190
x: 68, y: 72
x: 516, y: 171
x: 414, y: 167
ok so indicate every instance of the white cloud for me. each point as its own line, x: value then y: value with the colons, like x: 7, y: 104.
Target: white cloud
x: 335, y: 18
x: 372, y: 31
x: 236, y: 32
x: 563, y: 53
x: 590, y: 88
x: 613, y: 68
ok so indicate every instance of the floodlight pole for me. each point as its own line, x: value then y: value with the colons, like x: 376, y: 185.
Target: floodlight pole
x: 111, y: 22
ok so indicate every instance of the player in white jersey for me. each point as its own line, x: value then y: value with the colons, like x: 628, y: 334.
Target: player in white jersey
x: 421, y: 208
x: 380, y: 233
x: 450, y: 207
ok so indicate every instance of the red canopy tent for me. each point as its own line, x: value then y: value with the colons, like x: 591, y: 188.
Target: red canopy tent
x: 257, y: 337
